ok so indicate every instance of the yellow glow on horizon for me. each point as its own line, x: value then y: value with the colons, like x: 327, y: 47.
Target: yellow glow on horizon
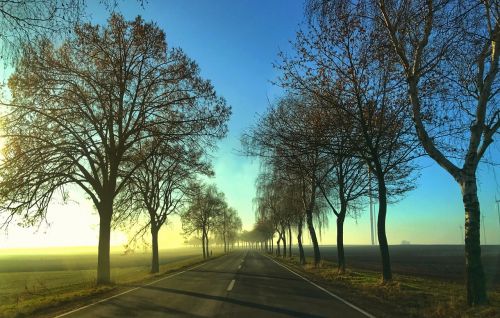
x: 75, y: 225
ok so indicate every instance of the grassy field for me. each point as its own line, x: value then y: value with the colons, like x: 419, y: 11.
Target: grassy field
x: 444, y: 262
x: 36, y: 282
x: 428, y: 280
x: 407, y: 296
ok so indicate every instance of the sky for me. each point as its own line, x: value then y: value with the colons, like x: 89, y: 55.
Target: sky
x: 235, y: 44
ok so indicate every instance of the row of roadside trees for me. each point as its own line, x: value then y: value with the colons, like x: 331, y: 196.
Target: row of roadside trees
x: 371, y: 86
x: 114, y: 112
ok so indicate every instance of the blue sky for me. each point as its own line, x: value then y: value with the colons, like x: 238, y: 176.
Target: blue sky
x: 235, y: 43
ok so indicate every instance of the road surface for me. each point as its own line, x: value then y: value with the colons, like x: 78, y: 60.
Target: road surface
x: 240, y: 284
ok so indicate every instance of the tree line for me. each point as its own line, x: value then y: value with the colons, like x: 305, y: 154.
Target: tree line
x: 369, y: 87
x: 116, y: 113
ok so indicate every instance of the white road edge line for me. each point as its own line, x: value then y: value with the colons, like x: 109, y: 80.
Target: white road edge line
x: 126, y: 292
x: 231, y: 285
x: 324, y: 289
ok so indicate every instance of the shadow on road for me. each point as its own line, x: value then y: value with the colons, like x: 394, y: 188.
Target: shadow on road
x: 288, y: 278
x: 234, y: 301
x: 129, y: 311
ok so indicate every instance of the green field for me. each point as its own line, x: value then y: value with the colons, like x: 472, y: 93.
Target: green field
x: 30, y: 282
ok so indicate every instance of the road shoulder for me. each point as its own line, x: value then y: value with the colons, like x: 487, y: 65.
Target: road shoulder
x: 396, y: 299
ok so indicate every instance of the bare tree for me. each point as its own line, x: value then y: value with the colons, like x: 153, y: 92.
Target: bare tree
x: 290, y: 135
x: 346, y: 186
x: 22, y: 21
x: 28, y: 20
x: 334, y: 63
x: 234, y: 230
x: 159, y: 186
x: 448, y: 53
x: 227, y: 226
x: 206, y: 204
x: 82, y: 111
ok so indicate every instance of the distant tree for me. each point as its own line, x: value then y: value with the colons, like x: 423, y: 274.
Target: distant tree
x: 193, y: 241
x: 228, y: 224
x: 159, y: 187
x: 235, y: 230
x: 205, y: 205
x: 281, y: 202
x: 84, y: 111
x: 270, y: 206
x: 266, y: 232
x: 289, y: 137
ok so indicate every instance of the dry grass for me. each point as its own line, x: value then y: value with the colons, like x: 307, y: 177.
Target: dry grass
x: 45, y: 293
x: 406, y: 296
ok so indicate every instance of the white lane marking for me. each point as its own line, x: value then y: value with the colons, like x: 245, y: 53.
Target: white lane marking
x: 324, y: 289
x: 127, y: 291
x: 231, y: 285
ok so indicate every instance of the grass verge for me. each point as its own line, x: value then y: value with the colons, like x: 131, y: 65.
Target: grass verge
x: 406, y: 296
x: 55, y: 292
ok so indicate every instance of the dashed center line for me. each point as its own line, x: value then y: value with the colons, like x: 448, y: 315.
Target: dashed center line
x: 231, y: 285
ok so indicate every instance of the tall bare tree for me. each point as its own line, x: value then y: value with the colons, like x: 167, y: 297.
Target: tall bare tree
x: 159, y: 188
x: 227, y: 226
x: 205, y: 206
x: 448, y: 53
x: 81, y: 111
x: 448, y: 57
x: 334, y: 63
x: 346, y: 185
x: 290, y: 136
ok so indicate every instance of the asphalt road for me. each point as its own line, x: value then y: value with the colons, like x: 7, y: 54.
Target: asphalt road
x: 240, y: 284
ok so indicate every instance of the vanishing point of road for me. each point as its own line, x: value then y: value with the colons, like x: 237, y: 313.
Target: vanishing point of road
x: 240, y: 284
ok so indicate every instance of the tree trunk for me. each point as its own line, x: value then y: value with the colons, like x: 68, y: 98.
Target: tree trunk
x: 206, y: 245
x: 278, y: 248
x: 299, y: 241
x: 289, y: 241
x: 474, y: 273
x: 284, y: 241
x: 340, y: 243
x: 155, y: 262
x: 203, y: 244
x: 314, y: 239
x: 382, y: 238
x: 310, y: 225
x: 103, y: 263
